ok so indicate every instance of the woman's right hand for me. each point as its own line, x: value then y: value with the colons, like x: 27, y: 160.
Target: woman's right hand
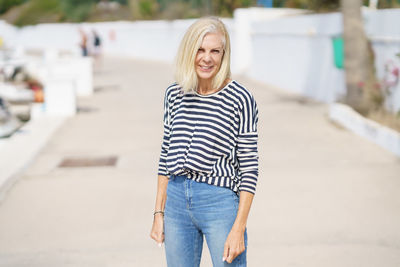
x: 157, y: 231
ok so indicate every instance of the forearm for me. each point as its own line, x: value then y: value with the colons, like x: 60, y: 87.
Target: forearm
x: 246, y: 199
x: 161, y: 192
x: 157, y: 231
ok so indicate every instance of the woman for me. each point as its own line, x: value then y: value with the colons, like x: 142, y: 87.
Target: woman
x: 208, y: 165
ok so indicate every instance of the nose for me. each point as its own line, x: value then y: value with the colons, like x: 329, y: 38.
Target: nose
x: 207, y: 57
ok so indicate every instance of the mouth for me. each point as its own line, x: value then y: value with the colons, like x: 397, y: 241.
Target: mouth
x: 206, y: 68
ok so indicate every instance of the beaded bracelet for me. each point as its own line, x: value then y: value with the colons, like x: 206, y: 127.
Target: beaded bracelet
x: 158, y: 211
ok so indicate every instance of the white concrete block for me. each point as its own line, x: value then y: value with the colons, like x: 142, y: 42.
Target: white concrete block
x: 38, y: 110
x: 385, y: 137
x: 59, y: 96
x: 50, y: 54
x: 80, y: 70
x: 84, y: 71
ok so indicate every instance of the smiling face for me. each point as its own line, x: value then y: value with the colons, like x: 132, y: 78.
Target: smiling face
x: 209, y: 57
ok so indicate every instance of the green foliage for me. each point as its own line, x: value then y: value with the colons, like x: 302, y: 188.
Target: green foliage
x: 36, y: 11
x: 389, y: 4
x: 291, y: 3
x: 147, y: 8
x: 323, y: 5
x: 39, y: 11
x: 176, y: 9
x: 179, y: 10
x: 317, y: 5
x: 329, y: 5
x: 144, y: 9
x: 5, y: 5
x: 226, y: 7
x: 76, y: 10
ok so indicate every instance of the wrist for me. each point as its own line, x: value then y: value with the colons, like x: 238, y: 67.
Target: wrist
x: 238, y: 227
x: 158, y: 213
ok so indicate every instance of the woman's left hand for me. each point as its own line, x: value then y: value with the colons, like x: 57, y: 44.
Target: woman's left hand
x: 234, y: 245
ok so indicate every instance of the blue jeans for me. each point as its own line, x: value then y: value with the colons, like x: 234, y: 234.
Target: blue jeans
x: 194, y: 210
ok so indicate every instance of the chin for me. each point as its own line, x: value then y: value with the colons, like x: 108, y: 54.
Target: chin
x: 205, y: 76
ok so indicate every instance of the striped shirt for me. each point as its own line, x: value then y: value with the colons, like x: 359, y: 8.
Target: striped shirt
x: 211, y: 138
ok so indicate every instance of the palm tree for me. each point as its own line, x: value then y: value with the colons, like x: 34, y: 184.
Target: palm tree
x: 362, y: 91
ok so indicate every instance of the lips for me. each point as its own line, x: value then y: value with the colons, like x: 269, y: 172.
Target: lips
x: 206, y: 68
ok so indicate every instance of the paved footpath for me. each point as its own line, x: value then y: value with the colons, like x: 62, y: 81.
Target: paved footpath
x: 325, y: 197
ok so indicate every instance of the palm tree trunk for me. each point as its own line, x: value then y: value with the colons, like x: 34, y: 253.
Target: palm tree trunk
x: 362, y: 92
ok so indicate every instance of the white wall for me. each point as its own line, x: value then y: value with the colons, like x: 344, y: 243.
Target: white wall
x: 153, y: 40
x: 295, y: 53
x: 243, y: 19
x: 8, y: 33
x: 383, y: 28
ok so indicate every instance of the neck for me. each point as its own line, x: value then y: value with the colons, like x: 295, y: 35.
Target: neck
x: 205, y: 87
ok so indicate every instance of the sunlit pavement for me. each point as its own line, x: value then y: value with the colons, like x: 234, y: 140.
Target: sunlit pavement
x: 325, y: 196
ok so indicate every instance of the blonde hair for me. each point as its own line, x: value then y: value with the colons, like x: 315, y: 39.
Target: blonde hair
x: 185, y: 72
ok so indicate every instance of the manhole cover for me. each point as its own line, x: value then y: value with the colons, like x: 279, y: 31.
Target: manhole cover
x: 88, y: 162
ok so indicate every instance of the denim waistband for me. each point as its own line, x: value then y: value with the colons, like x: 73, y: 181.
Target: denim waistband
x: 176, y: 178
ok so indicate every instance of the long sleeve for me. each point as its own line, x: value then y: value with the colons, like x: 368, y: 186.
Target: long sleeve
x: 162, y: 165
x: 247, y: 152
x: 211, y: 139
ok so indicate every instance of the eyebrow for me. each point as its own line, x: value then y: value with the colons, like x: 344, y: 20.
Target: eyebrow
x: 212, y: 48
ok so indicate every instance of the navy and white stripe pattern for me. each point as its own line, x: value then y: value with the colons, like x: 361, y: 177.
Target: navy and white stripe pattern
x: 212, y: 138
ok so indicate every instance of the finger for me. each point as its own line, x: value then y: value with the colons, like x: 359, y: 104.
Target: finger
x: 231, y: 256
x: 160, y: 238
x: 242, y: 249
x: 226, y: 252
x: 153, y: 235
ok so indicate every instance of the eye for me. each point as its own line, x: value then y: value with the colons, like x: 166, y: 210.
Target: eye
x: 201, y: 50
x: 216, y: 51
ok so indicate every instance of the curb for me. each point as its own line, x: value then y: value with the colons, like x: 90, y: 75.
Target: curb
x: 18, y: 151
x: 385, y: 137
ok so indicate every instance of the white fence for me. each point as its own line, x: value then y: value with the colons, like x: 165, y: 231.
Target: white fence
x: 276, y: 46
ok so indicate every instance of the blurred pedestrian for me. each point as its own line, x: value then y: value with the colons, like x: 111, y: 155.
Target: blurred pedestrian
x: 96, y: 44
x: 96, y: 50
x: 208, y: 166
x: 83, y: 43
